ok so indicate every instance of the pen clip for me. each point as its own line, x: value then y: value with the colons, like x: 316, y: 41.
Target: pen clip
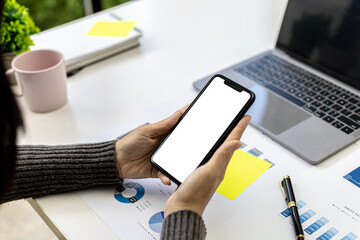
x: 282, y: 189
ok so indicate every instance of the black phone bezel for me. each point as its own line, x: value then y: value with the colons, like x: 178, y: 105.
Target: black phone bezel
x: 223, y: 137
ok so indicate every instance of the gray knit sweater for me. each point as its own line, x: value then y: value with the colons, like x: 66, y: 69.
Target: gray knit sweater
x: 43, y: 170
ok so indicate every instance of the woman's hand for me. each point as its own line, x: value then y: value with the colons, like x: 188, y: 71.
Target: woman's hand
x: 133, y: 152
x: 198, y: 188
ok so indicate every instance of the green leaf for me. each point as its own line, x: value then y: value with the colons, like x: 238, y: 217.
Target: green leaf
x: 16, y: 28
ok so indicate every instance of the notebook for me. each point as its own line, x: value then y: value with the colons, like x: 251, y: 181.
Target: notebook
x: 80, y: 49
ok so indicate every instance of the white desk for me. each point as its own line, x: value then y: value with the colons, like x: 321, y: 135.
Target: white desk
x: 183, y: 41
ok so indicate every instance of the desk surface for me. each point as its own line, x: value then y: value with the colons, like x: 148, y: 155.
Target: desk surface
x: 183, y: 41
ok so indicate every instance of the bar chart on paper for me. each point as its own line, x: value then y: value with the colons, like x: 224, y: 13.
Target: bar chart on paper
x: 319, y: 226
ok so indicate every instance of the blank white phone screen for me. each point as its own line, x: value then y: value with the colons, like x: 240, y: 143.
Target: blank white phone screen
x: 200, y: 129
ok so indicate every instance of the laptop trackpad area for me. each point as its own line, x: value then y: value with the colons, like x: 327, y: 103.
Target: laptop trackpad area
x: 274, y: 113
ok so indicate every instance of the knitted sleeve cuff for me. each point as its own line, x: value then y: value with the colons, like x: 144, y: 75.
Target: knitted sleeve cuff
x: 183, y: 224
x: 43, y: 170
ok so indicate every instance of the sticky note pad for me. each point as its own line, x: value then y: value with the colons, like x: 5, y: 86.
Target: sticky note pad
x: 243, y: 169
x: 112, y: 29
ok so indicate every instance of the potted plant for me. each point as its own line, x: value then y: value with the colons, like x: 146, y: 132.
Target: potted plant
x: 16, y: 28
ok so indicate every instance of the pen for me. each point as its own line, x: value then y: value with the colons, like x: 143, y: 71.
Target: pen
x: 289, y: 195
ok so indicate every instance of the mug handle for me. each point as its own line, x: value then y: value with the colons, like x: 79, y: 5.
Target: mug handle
x: 12, y: 72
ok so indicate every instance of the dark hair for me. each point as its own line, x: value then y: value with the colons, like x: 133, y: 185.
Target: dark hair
x: 10, y: 120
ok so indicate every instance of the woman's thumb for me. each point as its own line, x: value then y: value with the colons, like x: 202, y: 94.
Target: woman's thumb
x: 159, y: 128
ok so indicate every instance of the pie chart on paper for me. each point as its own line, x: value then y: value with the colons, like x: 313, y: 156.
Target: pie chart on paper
x: 156, y: 221
x: 129, y: 192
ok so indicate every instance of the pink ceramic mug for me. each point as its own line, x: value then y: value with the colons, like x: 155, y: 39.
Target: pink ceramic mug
x: 41, y: 77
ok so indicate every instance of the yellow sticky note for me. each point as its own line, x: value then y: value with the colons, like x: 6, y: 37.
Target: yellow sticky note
x: 112, y: 29
x: 243, y: 170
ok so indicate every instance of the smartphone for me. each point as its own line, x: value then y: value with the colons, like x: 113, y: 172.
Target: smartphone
x: 202, y: 128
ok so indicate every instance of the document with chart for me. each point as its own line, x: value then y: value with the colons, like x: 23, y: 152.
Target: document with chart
x: 134, y: 210
x: 328, y: 203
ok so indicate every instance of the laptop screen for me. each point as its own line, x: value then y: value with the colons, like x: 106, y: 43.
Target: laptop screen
x: 324, y: 34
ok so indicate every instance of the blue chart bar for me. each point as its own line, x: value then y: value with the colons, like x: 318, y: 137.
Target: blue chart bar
x: 256, y: 152
x: 267, y: 160
x: 354, y: 177
x: 350, y: 236
x: 328, y: 234
x: 286, y: 212
x: 316, y: 225
x: 300, y: 204
x: 305, y: 216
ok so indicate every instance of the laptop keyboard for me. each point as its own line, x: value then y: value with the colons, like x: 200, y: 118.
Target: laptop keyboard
x: 331, y: 103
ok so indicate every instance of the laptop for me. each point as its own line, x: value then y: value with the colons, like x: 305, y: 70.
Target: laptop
x: 307, y: 88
